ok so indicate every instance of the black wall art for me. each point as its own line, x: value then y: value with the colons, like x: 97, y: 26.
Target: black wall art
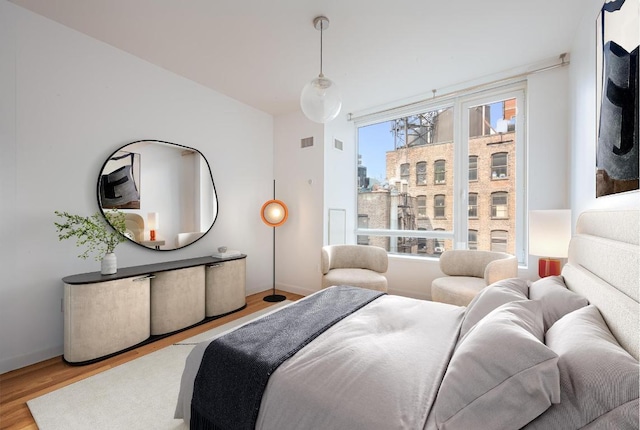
x: 617, y: 156
x: 120, y: 188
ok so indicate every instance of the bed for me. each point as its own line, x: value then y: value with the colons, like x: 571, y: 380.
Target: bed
x: 557, y: 353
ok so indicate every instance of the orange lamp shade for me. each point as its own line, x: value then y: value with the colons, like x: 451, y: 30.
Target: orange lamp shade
x: 274, y: 213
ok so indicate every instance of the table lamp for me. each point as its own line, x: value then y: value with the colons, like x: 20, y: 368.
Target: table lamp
x: 153, y: 219
x: 549, y: 236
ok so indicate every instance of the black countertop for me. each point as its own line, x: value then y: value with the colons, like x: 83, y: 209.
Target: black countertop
x: 128, y: 272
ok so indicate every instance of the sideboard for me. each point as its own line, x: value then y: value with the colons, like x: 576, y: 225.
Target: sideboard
x: 108, y: 314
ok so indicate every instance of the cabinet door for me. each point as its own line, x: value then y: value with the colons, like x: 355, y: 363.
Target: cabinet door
x: 105, y: 317
x: 225, y: 287
x: 177, y: 299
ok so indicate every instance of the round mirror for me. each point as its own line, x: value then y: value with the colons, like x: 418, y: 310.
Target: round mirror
x: 165, y: 190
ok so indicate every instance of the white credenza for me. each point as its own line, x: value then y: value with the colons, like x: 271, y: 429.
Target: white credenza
x: 108, y: 314
x: 225, y: 287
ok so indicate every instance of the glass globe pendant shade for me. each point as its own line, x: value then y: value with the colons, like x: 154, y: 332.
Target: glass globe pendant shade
x: 320, y: 100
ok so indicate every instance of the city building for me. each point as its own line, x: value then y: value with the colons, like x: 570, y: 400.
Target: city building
x: 418, y: 191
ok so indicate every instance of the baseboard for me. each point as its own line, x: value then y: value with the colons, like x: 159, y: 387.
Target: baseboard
x: 13, y: 363
x: 295, y: 289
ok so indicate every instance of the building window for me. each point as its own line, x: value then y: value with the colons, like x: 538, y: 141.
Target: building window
x: 363, y: 222
x: 480, y: 121
x: 499, y: 205
x: 421, y: 202
x: 499, y: 240
x: 473, y: 240
x: 421, y: 173
x: 422, y: 243
x: 404, y: 172
x: 439, y: 206
x: 439, y: 172
x: 473, y: 205
x: 499, y: 165
x: 438, y: 245
x: 473, y: 168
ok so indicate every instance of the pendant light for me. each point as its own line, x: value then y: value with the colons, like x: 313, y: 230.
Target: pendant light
x: 320, y: 99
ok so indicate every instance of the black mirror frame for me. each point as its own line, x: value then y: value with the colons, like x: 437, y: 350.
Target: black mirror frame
x: 215, y: 193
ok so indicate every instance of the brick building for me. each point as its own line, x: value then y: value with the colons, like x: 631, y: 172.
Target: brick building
x: 419, y: 189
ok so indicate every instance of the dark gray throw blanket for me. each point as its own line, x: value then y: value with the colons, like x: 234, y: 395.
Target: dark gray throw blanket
x: 236, y: 367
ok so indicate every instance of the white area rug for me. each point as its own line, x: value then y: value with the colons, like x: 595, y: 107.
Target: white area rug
x: 140, y: 394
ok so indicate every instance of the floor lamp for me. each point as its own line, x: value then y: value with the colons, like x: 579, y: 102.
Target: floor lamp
x: 274, y: 213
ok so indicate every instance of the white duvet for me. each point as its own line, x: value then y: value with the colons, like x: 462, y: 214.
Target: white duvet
x: 379, y: 368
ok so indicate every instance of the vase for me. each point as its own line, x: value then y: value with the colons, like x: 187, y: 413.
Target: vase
x: 109, y: 264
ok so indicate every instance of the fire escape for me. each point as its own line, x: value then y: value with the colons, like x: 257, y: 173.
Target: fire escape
x: 406, y: 221
x: 410, y: 131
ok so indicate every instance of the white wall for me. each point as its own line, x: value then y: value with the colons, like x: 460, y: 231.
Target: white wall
x: 583, y: 121
x: 299, y: 184
x: 66, y: 103
x: 339, y: 174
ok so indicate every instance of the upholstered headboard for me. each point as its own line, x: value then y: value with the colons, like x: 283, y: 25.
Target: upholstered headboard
x: 604, y: 267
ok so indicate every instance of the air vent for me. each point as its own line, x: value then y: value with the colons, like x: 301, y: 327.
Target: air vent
x: 337, y: 144
x: 306, y: 142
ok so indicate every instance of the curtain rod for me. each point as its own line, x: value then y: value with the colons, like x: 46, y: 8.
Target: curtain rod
x: 485, y: 85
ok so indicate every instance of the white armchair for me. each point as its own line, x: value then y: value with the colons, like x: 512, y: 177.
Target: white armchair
x: 357, y: 265
x: 134, y: 227
x: 468, y: 272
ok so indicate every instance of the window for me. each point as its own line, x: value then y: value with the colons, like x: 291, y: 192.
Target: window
x: 422, y: 243
x: 421, y: 173
x: 454, y: 144
x: 421, y: 202
x: 473, y: 205
x: 439, y: 172
x: 499, y: 205
x: 480, y: 121
x: 363, y: 223
x: 473, y: 167
x: 438, y: 245
x: 473, y: 240
x: 499, y: 166
x: 499, y: 240
x: 404, y: 172
x: 439, y: 206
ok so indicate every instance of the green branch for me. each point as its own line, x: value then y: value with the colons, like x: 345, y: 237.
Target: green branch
x: 94, y: 232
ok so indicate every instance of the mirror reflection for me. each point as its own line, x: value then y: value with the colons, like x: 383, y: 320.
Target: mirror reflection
x: 166, y: 191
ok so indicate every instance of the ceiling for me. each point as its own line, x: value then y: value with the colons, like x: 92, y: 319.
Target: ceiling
x: 262, y: 52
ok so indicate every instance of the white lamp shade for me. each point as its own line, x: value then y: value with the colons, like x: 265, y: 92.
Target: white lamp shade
x: 320, y: 100
x: 153, y: 220
x: 549, y: 233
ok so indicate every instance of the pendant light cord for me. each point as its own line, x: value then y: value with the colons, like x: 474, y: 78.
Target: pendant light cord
x: 321, y: 28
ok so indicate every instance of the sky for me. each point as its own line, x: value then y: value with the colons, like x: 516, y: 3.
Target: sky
x: 373, y: 143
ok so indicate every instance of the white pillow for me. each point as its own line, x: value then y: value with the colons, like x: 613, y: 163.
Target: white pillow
x: 557, y: 300
x: 501, y: 376
x: 598, y: 379
x: 492, y: 297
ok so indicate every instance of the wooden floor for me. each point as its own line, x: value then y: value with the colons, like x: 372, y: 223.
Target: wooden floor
x: 21, y: 385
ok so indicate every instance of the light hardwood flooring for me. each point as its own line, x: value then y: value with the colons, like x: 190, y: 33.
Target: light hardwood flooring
x: 21, y: 385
